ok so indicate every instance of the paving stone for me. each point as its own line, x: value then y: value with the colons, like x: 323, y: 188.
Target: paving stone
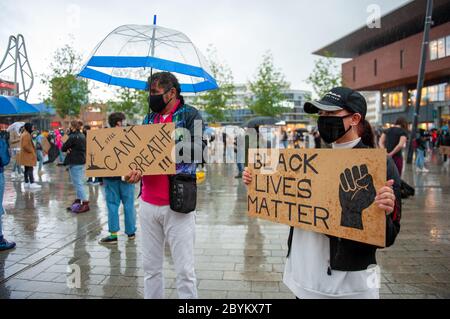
x: 244, y: 295
x: 230, y: 285
x: 252, y: 276
x: 235, y: 256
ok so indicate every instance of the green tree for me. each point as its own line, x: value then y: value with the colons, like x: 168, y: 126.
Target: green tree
x: 215, y: 102
x: 267, y: 89
x: 325, y: 75
x: 133, y: 103
x: 67, y: 93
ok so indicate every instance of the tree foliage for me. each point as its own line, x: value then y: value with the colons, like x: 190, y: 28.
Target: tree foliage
x: 267, y: 89
x: 325, y: 75
x: 133, y: 103
x: 216, y: 102
x: 67, y: 93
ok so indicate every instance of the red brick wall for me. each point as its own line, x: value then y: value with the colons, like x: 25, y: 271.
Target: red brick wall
x: 389, y: 73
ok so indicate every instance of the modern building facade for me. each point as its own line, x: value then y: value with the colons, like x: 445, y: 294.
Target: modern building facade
x: 387, y: 60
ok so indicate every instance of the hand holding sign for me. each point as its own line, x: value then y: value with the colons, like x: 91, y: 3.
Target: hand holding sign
x: 133, y: 177
x: 356, y: 193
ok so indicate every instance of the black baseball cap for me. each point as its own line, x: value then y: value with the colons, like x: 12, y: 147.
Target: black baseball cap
x: 339, y: 98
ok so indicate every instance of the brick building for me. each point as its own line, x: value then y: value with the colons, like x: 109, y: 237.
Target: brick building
x: 7, y: 87
x: 387, y: 60
x: 94, y: 115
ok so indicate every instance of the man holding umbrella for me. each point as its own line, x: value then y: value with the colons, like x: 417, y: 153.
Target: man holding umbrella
x: 159, y: 222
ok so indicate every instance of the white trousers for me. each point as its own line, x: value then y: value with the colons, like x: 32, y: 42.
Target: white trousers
x: 158, y: 224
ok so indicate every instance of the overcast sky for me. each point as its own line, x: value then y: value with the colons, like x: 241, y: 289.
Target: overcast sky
x: 241, y: 30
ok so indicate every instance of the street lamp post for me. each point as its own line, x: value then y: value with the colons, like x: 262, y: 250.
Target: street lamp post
x: 420, y: 79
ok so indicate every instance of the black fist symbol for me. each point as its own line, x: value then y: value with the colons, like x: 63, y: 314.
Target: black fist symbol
x: 356, y: 193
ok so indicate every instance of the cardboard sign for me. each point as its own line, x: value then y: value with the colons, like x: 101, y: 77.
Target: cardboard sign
x: 444, y: 150
x: 321, y: 190
x: 45, y: 144
x: 117, y: 151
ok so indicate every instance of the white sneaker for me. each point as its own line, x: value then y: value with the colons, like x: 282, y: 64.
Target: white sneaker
x: 26, y: 185
x: 425, y: 170
x: 35, y: 186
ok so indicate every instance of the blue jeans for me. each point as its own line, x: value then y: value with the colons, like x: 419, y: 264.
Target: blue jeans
x: 16, y: 167
x: 2, y: 190
x: 40, y: 158
x: 77, y: 177
x: 61, y: 158
x: 115, y: 192
x: 240, y: 167
x: 420, y: 158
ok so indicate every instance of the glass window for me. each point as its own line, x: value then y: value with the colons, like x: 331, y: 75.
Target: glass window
x: 441, y: 48
x: 401, y: 59
x: 441, y: 92
x: 392, y: 100
x: 448, y: 45
x: 423, y: 100
x: 432, y: 93
x: 433, y: 50
x: 447, y: 92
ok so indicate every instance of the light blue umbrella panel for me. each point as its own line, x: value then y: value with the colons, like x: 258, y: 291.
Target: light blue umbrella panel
x: 128, y: 55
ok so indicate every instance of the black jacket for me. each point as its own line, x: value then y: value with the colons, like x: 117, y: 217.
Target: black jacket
x: 349, y: 255
x: 188, y: 118
x: 77, y: 146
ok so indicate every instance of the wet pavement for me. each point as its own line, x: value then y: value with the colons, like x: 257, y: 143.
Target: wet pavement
x: 236, y: 257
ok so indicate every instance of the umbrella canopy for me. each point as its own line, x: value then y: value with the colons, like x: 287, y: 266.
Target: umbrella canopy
x: 15, y: 127
x: 128, y: 54
x: 11, y: 105
x: 259, y: 121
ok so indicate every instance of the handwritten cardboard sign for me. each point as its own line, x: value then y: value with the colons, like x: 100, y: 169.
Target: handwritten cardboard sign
x: 326, y: 191
x: 444, y: 150
x: 117, y: 151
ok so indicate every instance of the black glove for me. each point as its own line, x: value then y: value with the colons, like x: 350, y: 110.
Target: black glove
x: 356, y: 193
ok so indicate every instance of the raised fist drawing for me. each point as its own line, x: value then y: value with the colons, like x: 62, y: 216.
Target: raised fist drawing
x: 356, y: 193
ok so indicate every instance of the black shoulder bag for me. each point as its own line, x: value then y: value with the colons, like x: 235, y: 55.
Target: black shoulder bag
x: 183, y: 193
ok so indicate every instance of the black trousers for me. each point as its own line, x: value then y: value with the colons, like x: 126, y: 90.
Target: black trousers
x: 28, y: 174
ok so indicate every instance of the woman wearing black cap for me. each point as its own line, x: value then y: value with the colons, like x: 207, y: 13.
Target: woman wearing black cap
x: 321, y: 266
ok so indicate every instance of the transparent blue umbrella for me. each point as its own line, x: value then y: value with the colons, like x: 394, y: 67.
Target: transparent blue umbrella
x: 131, y: 53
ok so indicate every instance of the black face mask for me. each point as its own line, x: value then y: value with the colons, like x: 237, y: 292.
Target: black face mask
x: 331, y: 128
x: 156, y: 102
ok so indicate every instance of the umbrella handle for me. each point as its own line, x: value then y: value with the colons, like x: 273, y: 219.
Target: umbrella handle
x: 149, y: 88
